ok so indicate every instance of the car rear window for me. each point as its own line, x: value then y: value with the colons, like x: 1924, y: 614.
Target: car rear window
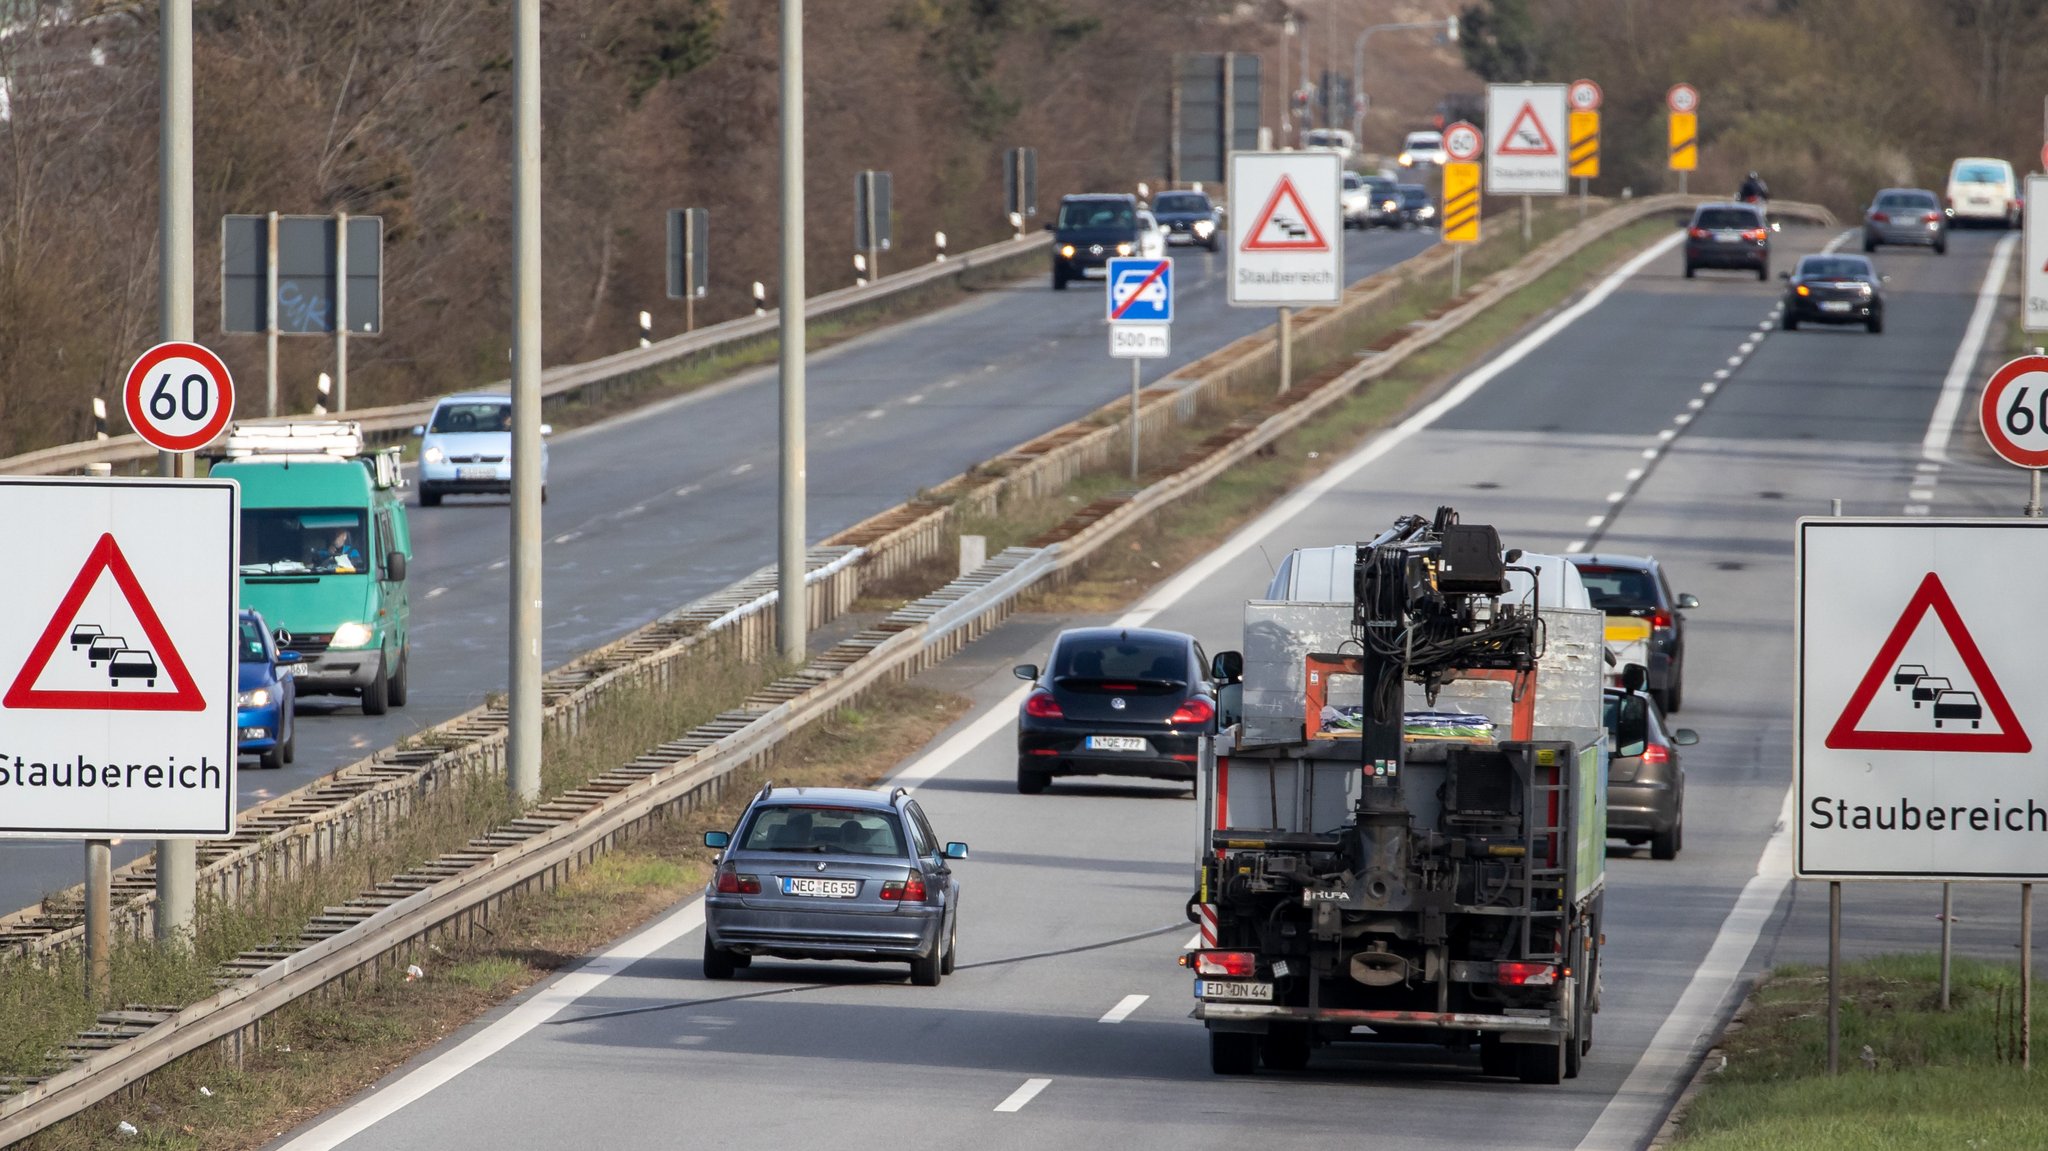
x: 1130, y: 659
x: 1834, y: 268
x: 1726, y: 218
x: 822, y: 829
x: 1907, y: 200
x: 478, y: 417
x: 1181, y: 202
x: 1619, y: 589
x: 1096, y: 214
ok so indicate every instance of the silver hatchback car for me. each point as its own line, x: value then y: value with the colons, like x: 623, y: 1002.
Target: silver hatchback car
x: 832, y: 873
x: 1905, y: 216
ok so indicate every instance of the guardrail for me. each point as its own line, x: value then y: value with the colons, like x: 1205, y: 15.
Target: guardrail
x: 545, y: 845
x: 564, y: 381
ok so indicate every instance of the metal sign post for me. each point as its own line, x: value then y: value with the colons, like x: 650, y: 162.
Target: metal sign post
x: 302, y: 276
x: 689, y: 276
x: 871, y: 223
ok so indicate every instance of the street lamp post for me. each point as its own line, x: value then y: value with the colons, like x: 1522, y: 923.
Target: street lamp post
x: 1447, y: 28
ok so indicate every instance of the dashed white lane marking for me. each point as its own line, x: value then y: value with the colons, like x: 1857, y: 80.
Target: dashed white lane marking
x: 876, y: 413
x: 1634, y: 474
x: 437, y: 591
x: 1920, y: 494
x: 1666, y: 434
x: 689, y: 489
x: 1746, y: 347
x: 1682, y: 419
x: 1575, y: 546
x: 1710, y: 387
x: 1694, y: 403
x: 1734, y: 361
x: 1615, y: 497
x: 1123, y: 1008
x: 1595, y: 521
x: 1720, y: 373
x: 1649, y: 453
x: 1024, y: 1094
x: 498, y: 565
x: 916, y: 398
x: 740, y: 470
x: 568, y: 537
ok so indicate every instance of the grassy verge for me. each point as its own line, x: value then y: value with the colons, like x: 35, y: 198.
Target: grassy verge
x: 319, y: 1053
x: 1912, y: 1076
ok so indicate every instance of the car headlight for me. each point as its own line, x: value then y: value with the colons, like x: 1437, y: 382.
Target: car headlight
x: 1123, y: 249
x: 1406, y: 160
x: 1388, y: 206
x: 1204, y: 227
x: 1863, y: 290
x: 254, y: 697
x: 433, y: 455
x: 352, y: 635
x: 1803, y: 290
x: 1428, y: 210
x: 1067, y: 250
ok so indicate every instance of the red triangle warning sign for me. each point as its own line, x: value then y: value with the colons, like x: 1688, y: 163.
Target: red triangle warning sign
x: 1525, y: 135
x: 1284, y: 225
x: 131, y: 665
x: 1949, y: 712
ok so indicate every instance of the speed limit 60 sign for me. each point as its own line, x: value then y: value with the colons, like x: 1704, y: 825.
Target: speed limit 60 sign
x: 178, y: 396
x: 2014, y: 412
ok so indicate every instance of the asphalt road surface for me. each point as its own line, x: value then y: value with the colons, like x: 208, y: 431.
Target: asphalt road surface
x: 1669, y: 417
x: 653, y: 509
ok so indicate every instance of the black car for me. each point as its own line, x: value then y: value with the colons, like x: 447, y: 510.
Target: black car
x: 1189, y: 218
x: 1383, y: 209
x: 1088, y: 231
x: 1728, y: 236
x: 1635, y: 586
x: 1415, y: 211
x: 1834, y: 289
x: 1114, y: 701
x: 1645, y: 780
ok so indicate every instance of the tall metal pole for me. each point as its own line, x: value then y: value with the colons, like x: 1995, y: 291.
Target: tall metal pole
x: 176, y: 859
x: 792, y: 610
x: 523, y: 743
x: 341, y: 311
x: 270, y: 323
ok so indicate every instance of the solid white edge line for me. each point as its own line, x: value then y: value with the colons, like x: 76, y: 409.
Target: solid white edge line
x: 1123, y: 1008
x: 1248, y: 536
x: 553, y: 997
x: 1023, y: 1095
x: 1631, y: 1116
x: 1934, y: 445
x: 923, y: 769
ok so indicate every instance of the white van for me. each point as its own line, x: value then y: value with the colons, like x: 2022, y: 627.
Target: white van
x: 1423, y: 148
x: 1982, y: 190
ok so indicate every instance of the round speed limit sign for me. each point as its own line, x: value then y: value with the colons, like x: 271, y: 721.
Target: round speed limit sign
x: 1584, y: 96
x: 2014, y: 412
x: 1683, y: 98
x: 1461, y: 141
x: 178, y: 397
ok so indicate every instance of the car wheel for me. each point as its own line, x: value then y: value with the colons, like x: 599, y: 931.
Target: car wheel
x: 1875, y: 323
x: 1214, y: 246
x: 1233, y: 1053
x: 1287, y: 1048
x: 1788, y: 321
x: 1688, y: 271
x: 1763, y: 271
x: 377, y: 694
x: 718, y: 962
x: 1059, y: 282
x: 1941, y: 247
x: 927, y: 972
x: 1031, y: 781
x: 952, y: 947
x: 543, y: 493
x: 429, y: 498
x: 271, y: 759
x: 1869, y: 245
x: 291, y: 742
x: 401, y: 683
x: 1664, y: 845
x: 1495, y: 1057
x: 1673, y: 696
x: 1540, y: 1062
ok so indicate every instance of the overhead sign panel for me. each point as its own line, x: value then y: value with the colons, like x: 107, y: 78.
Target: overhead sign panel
x: 117, y: 658
x: 1286, y: 245
x: 1921, y: 700
x: 1526, y: 144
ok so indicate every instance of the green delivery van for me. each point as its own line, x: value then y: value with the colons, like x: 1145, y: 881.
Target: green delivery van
x: 325, y: 545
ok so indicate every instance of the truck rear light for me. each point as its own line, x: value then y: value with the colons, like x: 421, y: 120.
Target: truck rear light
x: 1656, y: 753
x: 905, y: 890
x: 1236, y: 964
x: 1041, y: 705
x: 733, y: 883
x: 1520, y: 974
x: 1194, y: 711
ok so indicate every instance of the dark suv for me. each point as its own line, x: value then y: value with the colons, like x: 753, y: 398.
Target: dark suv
x: 1635, y: 586
x: 1088, y: 231
x: 1728, y: 236
x: 1189, y: 218
x: 1114, y: 701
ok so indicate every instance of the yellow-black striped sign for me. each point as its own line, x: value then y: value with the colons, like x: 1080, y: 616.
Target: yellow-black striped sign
x: 1585, y: 137
x: 1685, y: 141
x: 1461, y: 202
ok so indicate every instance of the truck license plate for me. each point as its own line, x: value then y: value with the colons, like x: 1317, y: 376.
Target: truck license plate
x: 1117, y: 743
x: 820, y: 888
x: 1232, y: 989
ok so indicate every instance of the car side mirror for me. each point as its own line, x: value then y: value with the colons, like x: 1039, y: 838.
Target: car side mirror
x: 1884, y: 279
x: 956, y: 850
x: 288, y: 657
x: 1688, y: 601
x: 547, y: 429
x: 1634, y: 676
x: 419, y: 429
x: 394, y: 566
x: 1226, y: 666
x: 1685, y: 737
x: 1025, y: 671
x: 718, y: 839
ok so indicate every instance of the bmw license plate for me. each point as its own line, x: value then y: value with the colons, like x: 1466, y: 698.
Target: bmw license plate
x: 1834, y: 306
x: 1117, y: 743
x: 476, y: 473
x: 817, y: 888
x: 1233, y: 989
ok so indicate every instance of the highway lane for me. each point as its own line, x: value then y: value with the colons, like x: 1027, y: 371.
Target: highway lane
x: 839, y: 1055
x: 655, y: 508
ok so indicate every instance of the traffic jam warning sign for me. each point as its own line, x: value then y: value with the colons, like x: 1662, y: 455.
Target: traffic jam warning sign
x: 1525, y: 158
x: 1287, y: 229
x: 117, y: 658
x: 1919, y: 690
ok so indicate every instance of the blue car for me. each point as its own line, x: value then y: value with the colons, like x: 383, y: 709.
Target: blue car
x: 263, y: 712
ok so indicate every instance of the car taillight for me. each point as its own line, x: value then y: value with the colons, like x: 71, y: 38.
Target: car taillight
x: 733, y: 883
x: 1660, y: 618
x: 905, y: 890
x: 1880, y: 218
x: 1041, y: 705
x: 1756, y: 234
x: 1696, y: 233
x: 1656, y: 753
x: 1237, y: 964
x: 1932, y: 217
x: 1194, y: 711
x: 1521, y: 974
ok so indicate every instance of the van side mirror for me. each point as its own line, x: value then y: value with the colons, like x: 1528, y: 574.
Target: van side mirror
x: 1634, y: 677
x: 1025, y: 671
x: 1226, y: 666
x: 394, y: 566
x: 718, y: 839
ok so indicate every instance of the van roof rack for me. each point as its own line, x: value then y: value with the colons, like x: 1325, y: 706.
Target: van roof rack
x: 333, y: 439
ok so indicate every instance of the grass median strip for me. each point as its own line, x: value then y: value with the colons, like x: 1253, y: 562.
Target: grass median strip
x: 1913, y: 1076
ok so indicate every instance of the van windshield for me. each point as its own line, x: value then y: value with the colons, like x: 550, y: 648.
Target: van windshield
x: 296, y: 541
